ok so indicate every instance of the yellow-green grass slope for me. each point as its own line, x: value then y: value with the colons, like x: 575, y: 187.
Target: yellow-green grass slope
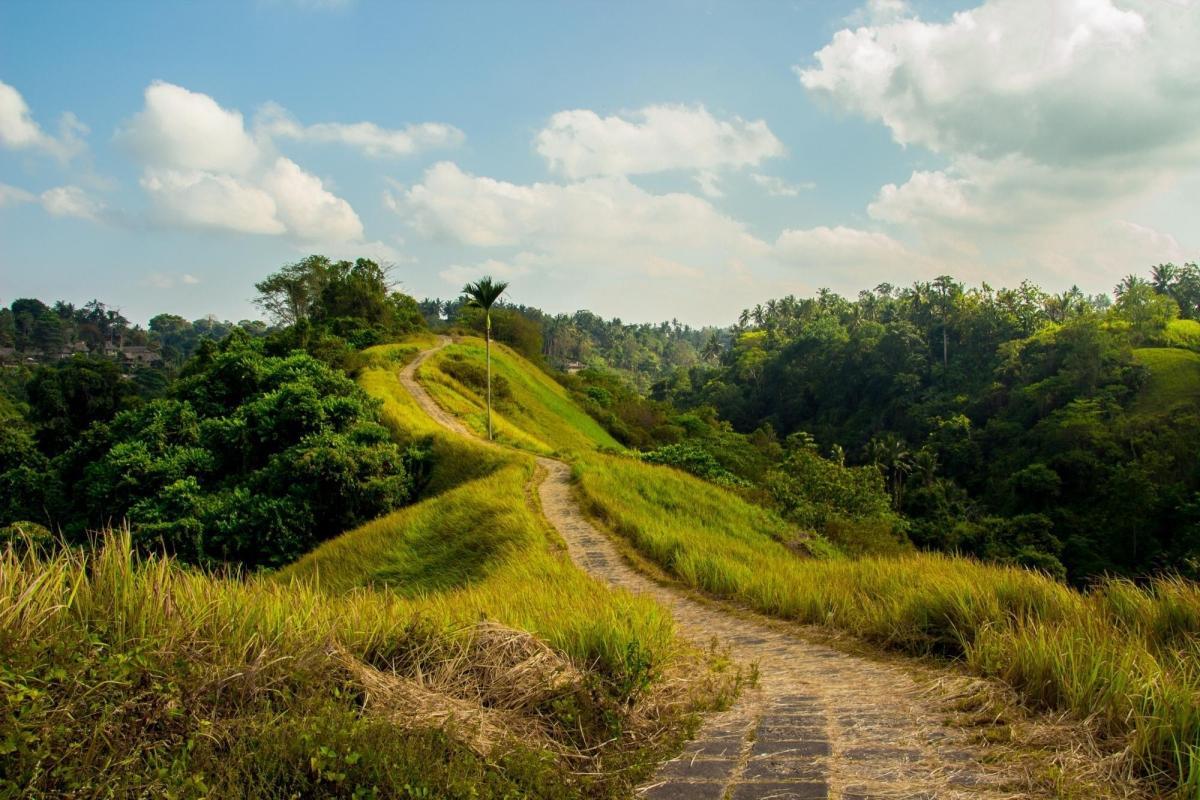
x: 132, y: 678
x: 477, y: 546
x: 1174, y: 378
x: 1127, y: 656
x: 539, y: 415
x: 331, y: 678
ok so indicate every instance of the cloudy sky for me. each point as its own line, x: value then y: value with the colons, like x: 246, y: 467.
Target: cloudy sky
x: 643, y: 160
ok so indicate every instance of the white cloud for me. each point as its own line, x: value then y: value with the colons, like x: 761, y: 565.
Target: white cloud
x: 184, y: 130
x: 308, y: 210
x: 189, y: 279
x: 1053, y: 116
x: 70, y: 201
x: 1050, y: 79
x: 204, y: 170
x: 371, y: 139
x: 589, y: 217
x: 839, y: 248
x: 580, y: 143
x: 14, y: 195
x: 602, y: 242
x: 778, y: 187
x: 198, y: 199
x: 19, y: 131
x: 709, y: 184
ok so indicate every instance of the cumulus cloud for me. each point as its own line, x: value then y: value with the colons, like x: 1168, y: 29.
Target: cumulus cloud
x: 457, y: 275
x: 593, y: 215
x: 184, y: 130
x: 373, y: 140
x: 203, y: 169
x: 307, y: 208
x: 199, y: 199
x: 633, y: 250
x: 60, y: 201
x: 580, y: 143
x: 71, y: 201
x: 19, y: 131
x: 1053, y: 116
x: 839, y: 248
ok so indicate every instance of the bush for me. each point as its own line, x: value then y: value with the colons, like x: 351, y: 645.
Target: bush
x: 474, y: 376
x: 251, y: 460
x: 690, y: 457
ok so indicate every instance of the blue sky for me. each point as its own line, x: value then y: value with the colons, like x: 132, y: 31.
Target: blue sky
x: 644, y: 160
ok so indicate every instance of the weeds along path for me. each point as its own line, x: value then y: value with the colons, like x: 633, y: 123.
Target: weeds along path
x: 820, y: 723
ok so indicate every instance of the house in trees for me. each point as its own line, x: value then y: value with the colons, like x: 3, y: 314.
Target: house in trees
x: 140, y: 356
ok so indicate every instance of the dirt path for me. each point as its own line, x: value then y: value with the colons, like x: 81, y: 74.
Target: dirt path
x: 820, y: 724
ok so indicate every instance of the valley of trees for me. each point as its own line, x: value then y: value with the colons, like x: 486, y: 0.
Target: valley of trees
x: 1014, y: 425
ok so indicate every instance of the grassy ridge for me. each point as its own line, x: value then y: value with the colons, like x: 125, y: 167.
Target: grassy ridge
x: 476, y: 550
x: 1174, y: 378
x: 540, y: 416
x: 1126, y: 655
x: 121, y: 677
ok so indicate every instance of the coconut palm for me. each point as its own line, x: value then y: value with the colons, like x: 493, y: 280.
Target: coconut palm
x: 483, y: 294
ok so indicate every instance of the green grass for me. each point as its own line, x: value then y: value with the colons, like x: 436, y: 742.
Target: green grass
x: 128, y: 678
x: 1174, y: 378
x: 1125, y: 656
x: 540, y: 416
x: 480, y: 550
x: 121, y: 677
x: 377, y: 375
x: 1182, y: 333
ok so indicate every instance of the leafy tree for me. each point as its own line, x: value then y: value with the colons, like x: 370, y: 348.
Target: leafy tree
x: 68, y: 396
x: 250, y: 459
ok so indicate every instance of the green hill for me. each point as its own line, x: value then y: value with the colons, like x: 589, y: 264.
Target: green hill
x: 1121, y: 655
x: 1174, y: 378
x: 531, y: 410
x: 448, y: 649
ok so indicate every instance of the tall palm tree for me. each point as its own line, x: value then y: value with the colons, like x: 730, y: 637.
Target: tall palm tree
x: 483, y: 294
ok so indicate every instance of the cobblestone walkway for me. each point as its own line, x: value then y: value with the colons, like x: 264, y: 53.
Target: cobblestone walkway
x: 820, y: 724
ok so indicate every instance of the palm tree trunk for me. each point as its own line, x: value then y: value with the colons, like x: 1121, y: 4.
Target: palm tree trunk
x: 488, y: 348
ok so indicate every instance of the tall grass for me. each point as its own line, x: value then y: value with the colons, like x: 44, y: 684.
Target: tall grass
x: 480, y: 549
x: 1125, y: 655
x: 127, y: 677
x: 121, y: 677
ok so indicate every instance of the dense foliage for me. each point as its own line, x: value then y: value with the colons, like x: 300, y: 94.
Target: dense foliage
x: 40, y: 331
x: 249, y: 458
x: 331, y: 309
x: 1051, y: 430
x: 639, y: 352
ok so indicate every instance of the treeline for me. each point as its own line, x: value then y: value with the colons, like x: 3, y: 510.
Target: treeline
x: 1056, y: 431
x: 37, y: 332
x: 256, y: 448
x: 641, y: 352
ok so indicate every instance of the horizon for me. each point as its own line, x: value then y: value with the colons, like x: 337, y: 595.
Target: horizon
x: 680, y: 161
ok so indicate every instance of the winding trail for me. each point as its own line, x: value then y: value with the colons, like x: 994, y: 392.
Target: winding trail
x: 820, y: 723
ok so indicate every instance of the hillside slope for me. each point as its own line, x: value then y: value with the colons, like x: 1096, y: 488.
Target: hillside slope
x: 1120, y: 656
x: 1174, y: 378
x: 449, y: 649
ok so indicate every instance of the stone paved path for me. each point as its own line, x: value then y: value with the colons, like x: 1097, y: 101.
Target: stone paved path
x: 820, y: 724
